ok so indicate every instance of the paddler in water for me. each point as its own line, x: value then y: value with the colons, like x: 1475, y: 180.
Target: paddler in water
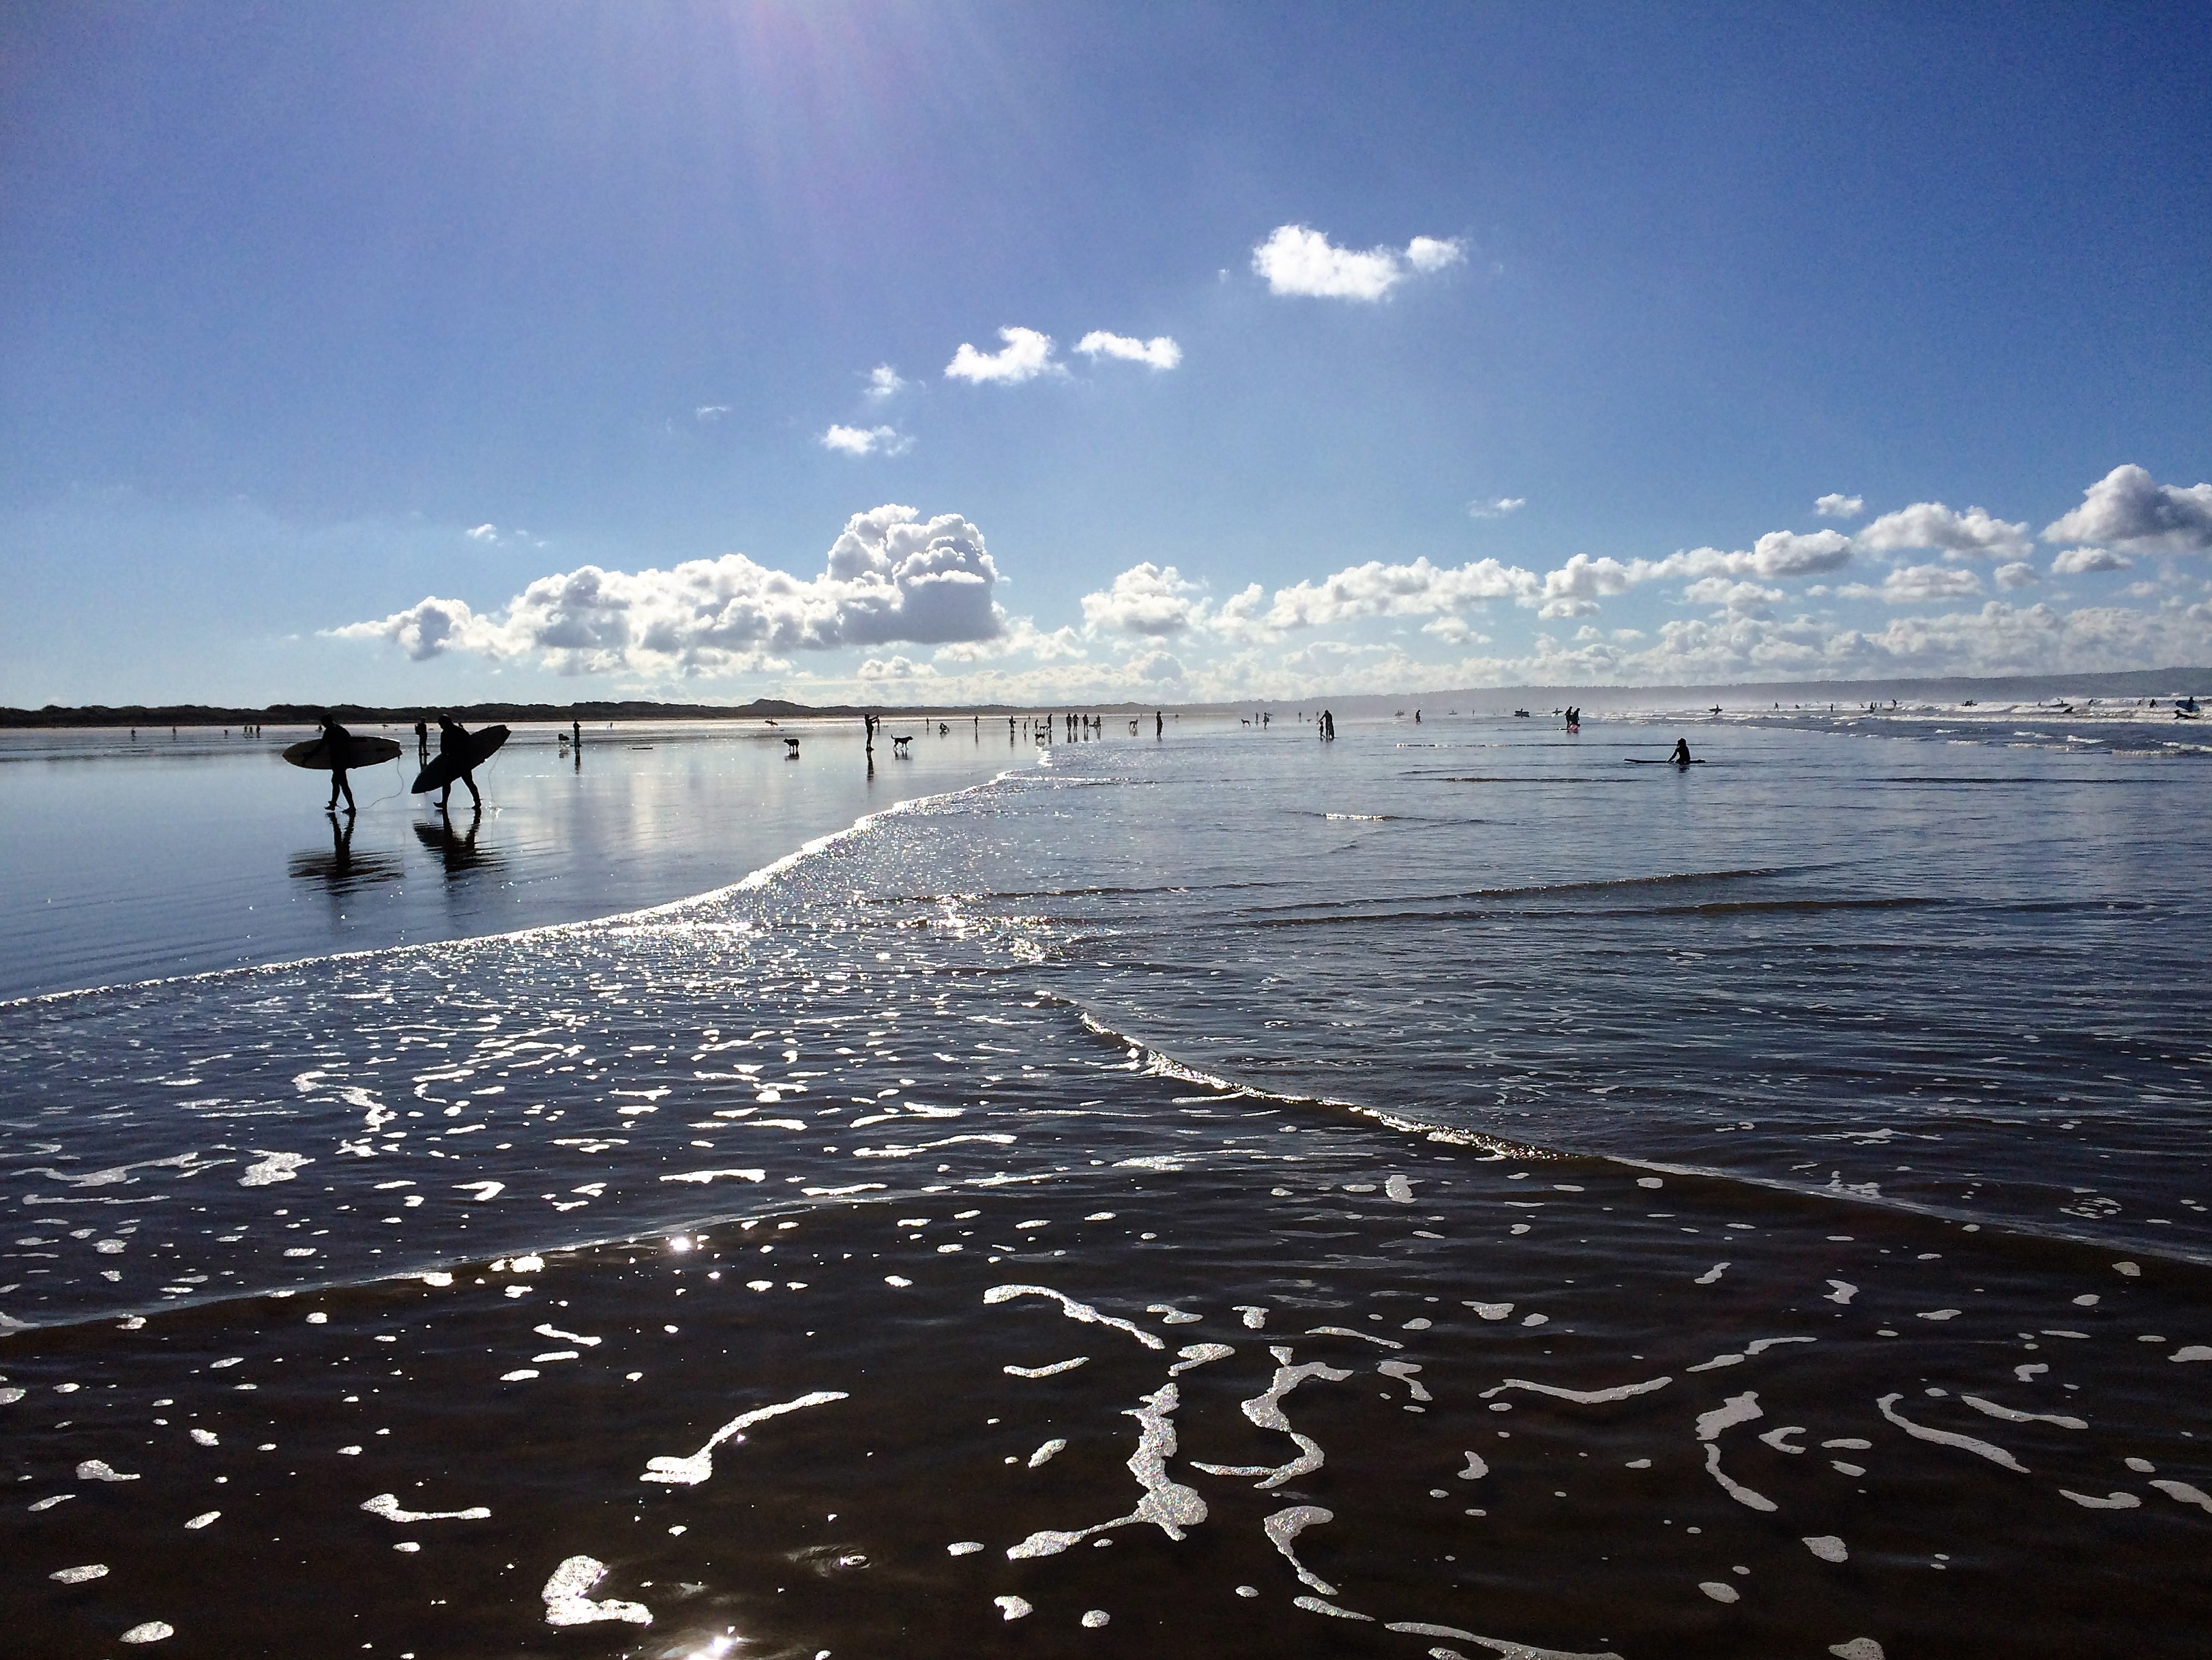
x: 1680, y: 758
x: 453, y: 740
x: 337, y: 742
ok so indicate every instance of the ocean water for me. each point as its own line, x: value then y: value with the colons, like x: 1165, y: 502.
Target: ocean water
x: 1447, y: 1191
x: 133, y: 855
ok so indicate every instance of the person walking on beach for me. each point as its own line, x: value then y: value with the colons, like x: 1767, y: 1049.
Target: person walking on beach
x: 421, y: 744
x: 453, y: 740
x: 337, y: 742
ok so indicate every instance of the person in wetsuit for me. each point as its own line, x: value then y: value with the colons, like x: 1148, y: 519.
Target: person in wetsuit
x: 1680, y: 758
x: 337, y: 742
x: 452, y: 739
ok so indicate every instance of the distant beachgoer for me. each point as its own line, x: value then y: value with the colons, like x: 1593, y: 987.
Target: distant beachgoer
x: 338, y: 741
x: 1160, y: 727
x: 1680, y: 758
x: 421, y: 743
x: 452, y: 739
x: 576, y: 732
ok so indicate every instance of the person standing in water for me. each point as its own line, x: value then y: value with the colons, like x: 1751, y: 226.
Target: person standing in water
x: 337, y: 742
x: 453, y: 740
x: 421, y: 744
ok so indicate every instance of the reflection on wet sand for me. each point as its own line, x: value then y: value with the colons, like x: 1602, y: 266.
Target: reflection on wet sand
x: 342, y: 869
x: 457, y: 848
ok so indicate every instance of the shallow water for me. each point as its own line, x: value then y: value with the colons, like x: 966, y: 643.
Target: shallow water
x: 1598, y: 1316
x: 132, y: 856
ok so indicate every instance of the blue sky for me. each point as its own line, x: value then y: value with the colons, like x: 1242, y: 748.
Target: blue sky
x: 424, y: 352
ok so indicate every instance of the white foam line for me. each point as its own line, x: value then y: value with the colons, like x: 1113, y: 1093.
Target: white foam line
x: 1403, y: 1370
x: 1314, y: 1605
x: 1729, y: 1485
x: 689, y: 1472
x: 1265, y: 1410
x: 1995, y: 1455
x: 893, y: 1151
x: 1284, y: 1526
x: 2013, y: 1416
x: 1052, y: 1371
x: 558, y: 1335
x: 1346, y: 1331
x: 2185, y: 1493
x: 1737, y: 1409
x: 386, y: 1505
x: 1073, y: 1310
x: 705, y: 1176
x: 1581, y: 1398
x: 1510, y: 1650
x: 1168, y: 1505
x: 1199, y: 1354
x: 1758, y: 1346
x: 566, y: 1604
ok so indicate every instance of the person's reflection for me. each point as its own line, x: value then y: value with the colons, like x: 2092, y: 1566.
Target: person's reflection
x: 458, y: 849
x: 341, y: 868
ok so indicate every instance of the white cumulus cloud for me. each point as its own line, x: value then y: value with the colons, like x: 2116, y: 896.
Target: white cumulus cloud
x: 2129, y: 507
x: 1159, y: 352
x: 2018, y: 574
x: 1025, y: 355
x: 1840, y: 506
x: 1973, y: 534
x: 893, y: 668
x: 1296, y: 260
x: 867, y: 440
x: 884, y: 381
x: 1917, y: 584
x: 1377, y: 589
x: 1496, y: 506
x: 2085, y: 562
x: 891, y: 576
x: 1737, y: 599
x: 1148, y: 600
x: 484, y: 534
x: 1575, y: 587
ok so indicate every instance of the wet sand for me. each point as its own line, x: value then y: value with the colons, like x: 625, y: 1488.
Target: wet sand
x: 1526, y: 1406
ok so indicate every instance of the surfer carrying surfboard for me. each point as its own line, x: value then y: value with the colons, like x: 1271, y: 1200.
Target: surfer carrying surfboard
x: 453, y: 741
x: 339, y: 744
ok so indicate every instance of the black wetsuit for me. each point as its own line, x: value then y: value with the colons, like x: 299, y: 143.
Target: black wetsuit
x: 338, y: 742
x: 452, y: 739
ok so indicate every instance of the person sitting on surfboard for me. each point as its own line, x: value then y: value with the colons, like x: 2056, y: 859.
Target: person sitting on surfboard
x: 453, y: 740
x: 337, y: 742
x: 1680, y: 758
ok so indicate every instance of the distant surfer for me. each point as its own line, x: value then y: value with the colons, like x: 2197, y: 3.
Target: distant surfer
x: 337, y: 742
x: 1680, y: 758
x: 421, y: 744
x: 453, y: 740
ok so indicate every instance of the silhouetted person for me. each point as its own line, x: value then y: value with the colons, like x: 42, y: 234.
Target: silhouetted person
x: 1160, y: 727
x: 421, y: 744
x: 337, y: 742
x: 1680, y: 758
x: 576, y: 734
x: 453, y: 740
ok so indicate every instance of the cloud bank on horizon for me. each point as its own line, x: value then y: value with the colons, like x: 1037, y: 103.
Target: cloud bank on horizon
x: 1777, y: 609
